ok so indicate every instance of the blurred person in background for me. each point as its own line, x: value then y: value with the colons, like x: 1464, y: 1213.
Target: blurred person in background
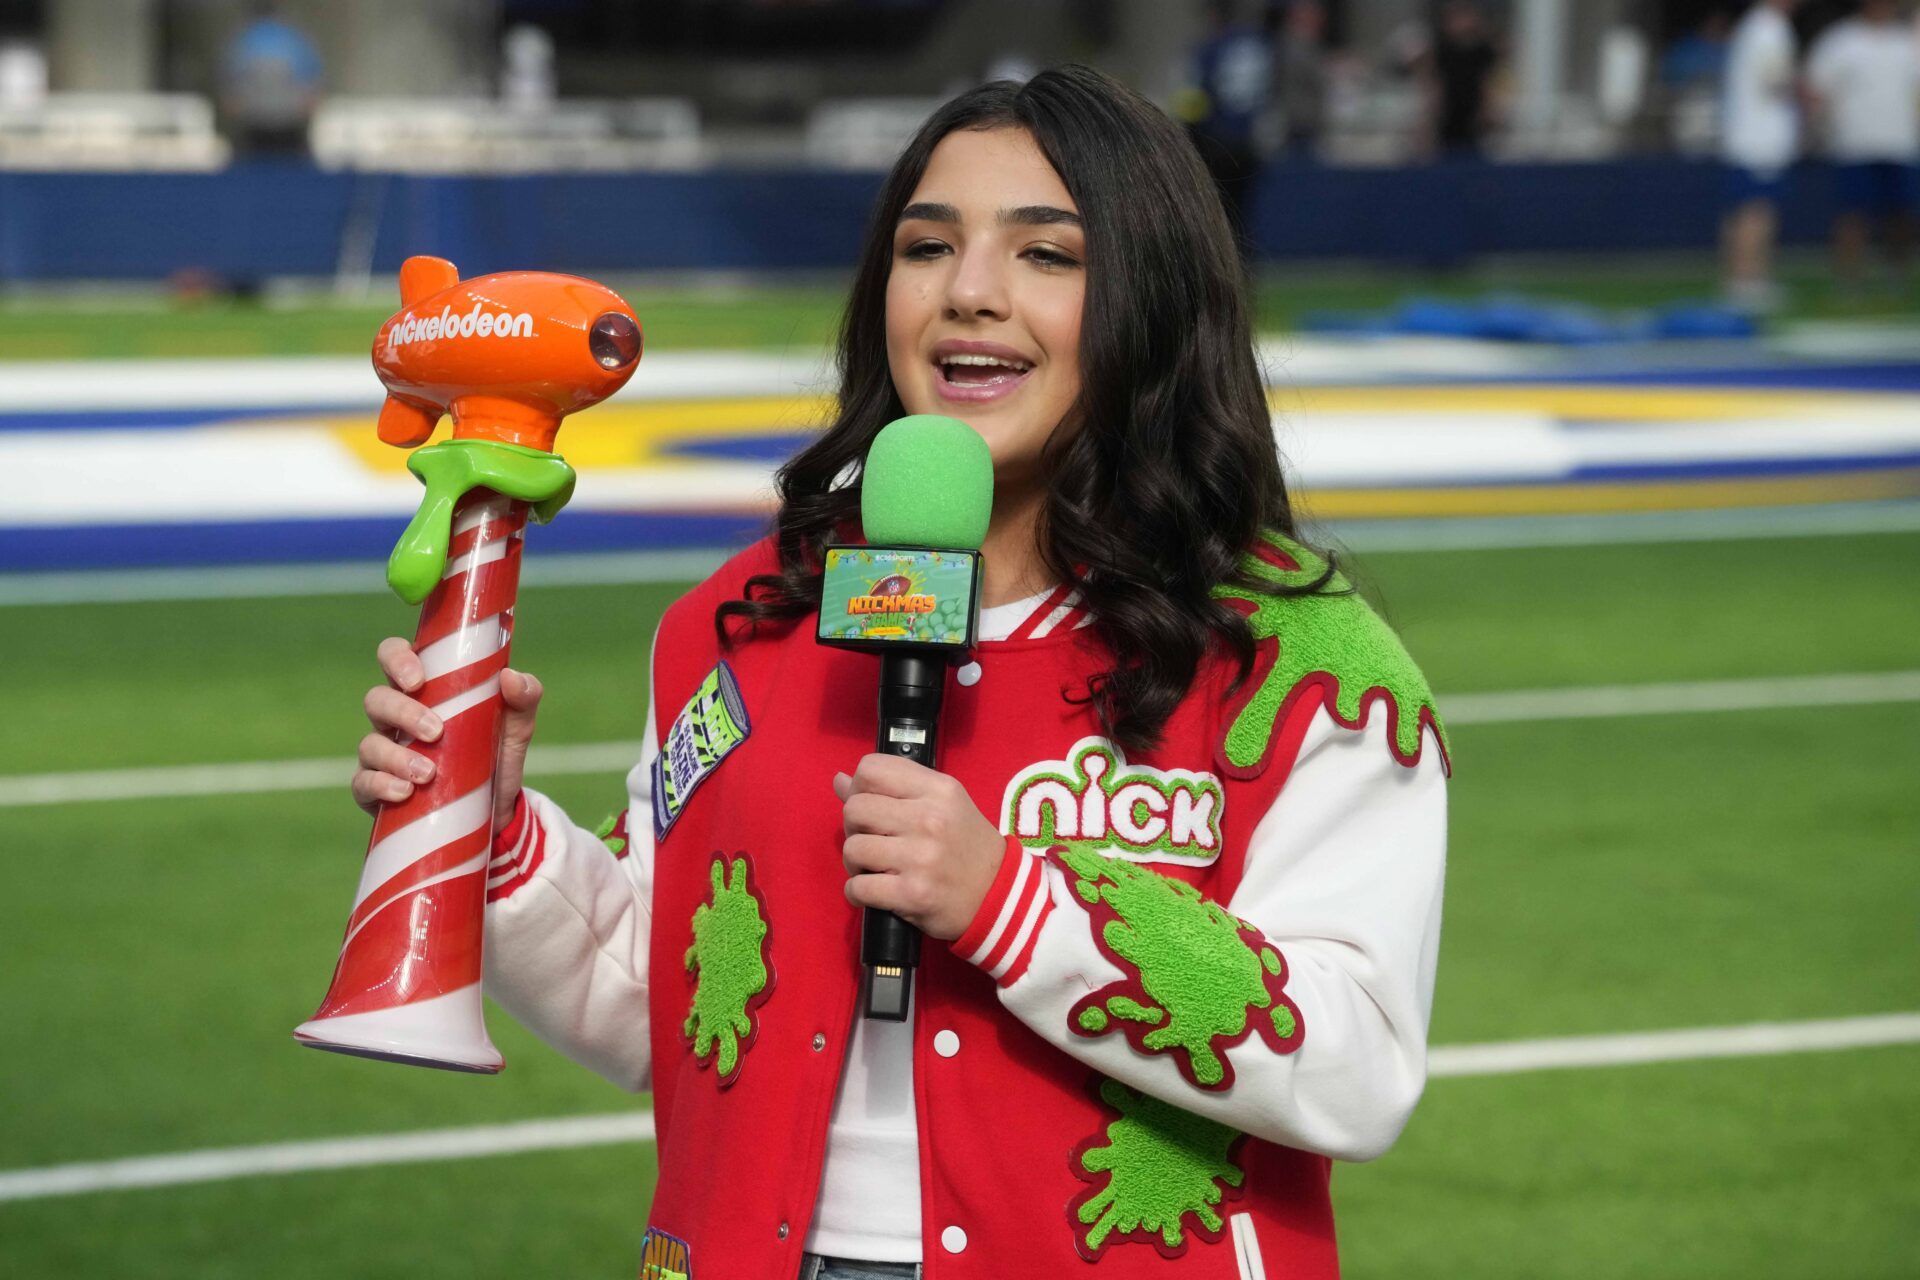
x: 1759, y: 140
x: 1231, y: 77
x: 271, y: 80
x: 1691, y: 74
x: 1863, y: 81
x: 1463, y: 60
x: 1302, y: 90
x: 527, y: 81
x: 23, y: 75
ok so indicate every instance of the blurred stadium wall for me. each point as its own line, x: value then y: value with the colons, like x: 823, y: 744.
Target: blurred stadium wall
x: 602, y: 136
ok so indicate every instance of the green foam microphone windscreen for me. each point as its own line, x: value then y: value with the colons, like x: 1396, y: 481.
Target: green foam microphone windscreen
x: 928, y: 483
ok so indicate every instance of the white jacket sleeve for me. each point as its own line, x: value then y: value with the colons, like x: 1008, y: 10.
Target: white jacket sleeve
x: 1343, y: 879
x: 568, y: 929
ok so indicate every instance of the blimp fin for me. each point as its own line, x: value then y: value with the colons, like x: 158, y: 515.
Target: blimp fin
x: 406, y: 424
x: 422, y: 276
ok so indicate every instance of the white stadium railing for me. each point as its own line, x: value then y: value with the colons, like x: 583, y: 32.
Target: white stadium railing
x: 864, y: 133
x: 454, y: 135
x: 172, y: 131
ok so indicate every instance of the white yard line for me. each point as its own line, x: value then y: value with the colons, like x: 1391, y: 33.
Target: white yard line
x: 266, y: 775
x: 1608, y: 700
x: 251, y: 582
x: 1755, y: 1040
x: 1513, y: 707
x: 220, y: 1164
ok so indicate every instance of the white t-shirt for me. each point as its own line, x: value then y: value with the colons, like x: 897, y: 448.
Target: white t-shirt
x: 1868, y: 80
x: 869, y: 1205
x: 1760, y: 127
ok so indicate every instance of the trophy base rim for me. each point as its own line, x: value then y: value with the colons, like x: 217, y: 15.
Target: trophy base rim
x: 404, y: 1059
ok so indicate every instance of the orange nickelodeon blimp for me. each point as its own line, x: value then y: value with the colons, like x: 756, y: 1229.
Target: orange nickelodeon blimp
x: 508, y: 356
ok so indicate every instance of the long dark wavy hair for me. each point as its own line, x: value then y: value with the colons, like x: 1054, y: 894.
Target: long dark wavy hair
x: 1174, y: 471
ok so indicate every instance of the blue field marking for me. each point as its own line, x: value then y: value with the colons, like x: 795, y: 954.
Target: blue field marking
x: 771, y: 447
x: 170, y: 419
x: 1729, y: 469
x: 39, y: 548
x: 1881, y: 376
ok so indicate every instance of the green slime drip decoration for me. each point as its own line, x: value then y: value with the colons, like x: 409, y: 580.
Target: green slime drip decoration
x: 616, y: 845
x: 1161, y: 1164
x: 1193, y: 962
x: 1333, y: 632
x: 728, y: 961
x: 450, y: 470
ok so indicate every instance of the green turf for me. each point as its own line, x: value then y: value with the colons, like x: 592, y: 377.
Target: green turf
x: 1768, y: 1167
x: 804, y: 316
x: 190, y: 681
x: 560, y: 1214
x: 1606, y: 875
x: 765, y: 317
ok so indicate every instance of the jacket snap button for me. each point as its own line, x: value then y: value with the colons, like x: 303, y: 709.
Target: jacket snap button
x: 953, y: 1240
x: 783, y: 1231
x: 946, y: 1044
x: 819, y: 1041
x: 968, y: 674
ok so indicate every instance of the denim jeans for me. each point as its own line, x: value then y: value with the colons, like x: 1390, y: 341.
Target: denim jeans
x: 815, y: 1267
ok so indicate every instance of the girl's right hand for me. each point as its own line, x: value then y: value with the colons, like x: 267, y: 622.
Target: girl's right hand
x: 389, y: 772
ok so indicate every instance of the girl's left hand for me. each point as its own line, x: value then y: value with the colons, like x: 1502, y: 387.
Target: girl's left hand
x: 916, y: 845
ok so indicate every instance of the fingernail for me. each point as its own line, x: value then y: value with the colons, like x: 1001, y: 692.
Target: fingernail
x: 420, y: 769
x: 429, y: 726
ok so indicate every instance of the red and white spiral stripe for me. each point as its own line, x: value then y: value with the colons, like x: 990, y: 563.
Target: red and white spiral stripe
x: 409, y: 970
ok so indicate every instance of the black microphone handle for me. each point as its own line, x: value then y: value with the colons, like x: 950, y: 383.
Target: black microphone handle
x: 911, y: 686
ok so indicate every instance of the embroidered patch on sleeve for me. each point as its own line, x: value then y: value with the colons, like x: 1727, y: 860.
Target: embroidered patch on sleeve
x: 1330, y: 644
x: 729, y: 966
x: 1156, y: 1174
x: 706, y: 731
x: 1197, y: 979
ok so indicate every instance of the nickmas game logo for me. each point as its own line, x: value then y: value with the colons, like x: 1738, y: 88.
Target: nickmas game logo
x: 909, y: 595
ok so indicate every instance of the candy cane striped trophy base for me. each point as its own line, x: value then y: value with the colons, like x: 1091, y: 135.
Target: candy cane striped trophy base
x: 509, y: 356
x: 407, y: 985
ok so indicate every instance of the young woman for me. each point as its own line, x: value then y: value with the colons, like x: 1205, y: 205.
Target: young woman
x: 1187, y: 839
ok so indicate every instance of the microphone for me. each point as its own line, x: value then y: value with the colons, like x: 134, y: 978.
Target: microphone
x: 911, y: 595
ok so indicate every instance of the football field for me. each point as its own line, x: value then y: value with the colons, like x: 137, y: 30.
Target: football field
x: 1669, y: 600
x: 1683, y: 825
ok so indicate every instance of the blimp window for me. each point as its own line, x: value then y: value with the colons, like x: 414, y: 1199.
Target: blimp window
x: 614, y: 340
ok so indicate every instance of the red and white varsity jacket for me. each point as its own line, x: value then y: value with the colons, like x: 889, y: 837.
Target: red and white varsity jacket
x: 1201, y: 973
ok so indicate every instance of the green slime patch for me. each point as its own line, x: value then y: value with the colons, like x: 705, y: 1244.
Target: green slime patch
x: 1198, y: 978
x: 1159, y: 1164
x: 728, y: 961
x: 1331, y: 634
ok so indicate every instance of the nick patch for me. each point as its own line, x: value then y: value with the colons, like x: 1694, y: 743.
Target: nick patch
x: 1094, y: 800
x: 706, y: 731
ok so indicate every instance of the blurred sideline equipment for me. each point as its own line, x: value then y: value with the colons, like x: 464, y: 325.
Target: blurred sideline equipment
x: 509, y: 356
